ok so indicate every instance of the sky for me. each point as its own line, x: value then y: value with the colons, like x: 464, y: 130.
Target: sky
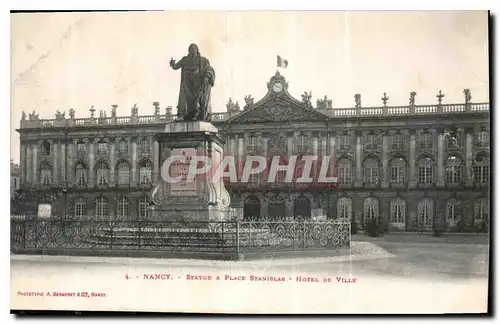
x: 61, y: 61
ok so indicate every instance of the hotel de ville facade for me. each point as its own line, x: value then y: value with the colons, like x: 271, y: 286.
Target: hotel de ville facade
x: 414, y: 166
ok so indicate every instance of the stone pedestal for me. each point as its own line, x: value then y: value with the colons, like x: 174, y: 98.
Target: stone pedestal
x: 204, y: 196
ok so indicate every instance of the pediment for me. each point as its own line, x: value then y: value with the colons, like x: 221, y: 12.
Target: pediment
x: 277, y: 109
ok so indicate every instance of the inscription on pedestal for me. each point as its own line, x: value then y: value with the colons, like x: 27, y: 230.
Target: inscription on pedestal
x: 179, y: 170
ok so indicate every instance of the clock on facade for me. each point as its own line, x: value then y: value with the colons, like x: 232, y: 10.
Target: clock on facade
x: 277, y: 87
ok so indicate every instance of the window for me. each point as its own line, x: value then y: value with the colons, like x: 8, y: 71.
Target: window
x: 102, y: 172
x: 453, y: 212
x: 344, y: 208
x: 145, y: 172
x: 344, y: 172
x: 370, y: 209
x: 453, y: 170
x: 425, y: 171
x: 301, y: 143
x: 46, y: 174
x: 425, y: 140
x: 143, y: 207
x: 144, y: 146
x: 122, y: 208
x: 81, y: 148
x: 45, y: 148
x: 345, y: 142
x: 481, y: 169
x: 123, y: 147
x: 398, y: 171
x: 102, y: 148
x: 481, y: 210
x: 252, y: 142
x: 398, y: 211
x: 123, y: 173
x: 101, y: 208
x: 371, y: 171
x: 81, y: 175
x: 398, y: 141
x: 425, y: 213
x: 482, y: 138
x: 80, y: 208
x: 371, y: 142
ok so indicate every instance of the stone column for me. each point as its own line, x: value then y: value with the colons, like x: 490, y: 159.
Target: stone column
x: 72, y: 157
x: 333, y: 159
x: 315, y: 170
x: 22, y: 160
x: 359, y: 161
x: 385, y: 162
x: 92, y: 175
x: 134, y: 163
x: 64, y: 177
x: 289, y: 146
x: 289, y: 208
x: 55, y: 159
x: 112, y: 161
x: 240, y: 159
x: 35, y: 163
x: 156, y: 162
x: 412, y: 175
x: 469, y: 142
x: 440, y: 159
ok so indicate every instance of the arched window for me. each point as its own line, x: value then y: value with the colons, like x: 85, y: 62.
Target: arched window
x: 81, y: 174
x: 80, y: 208
x: 398, y: 171
x: 481, y: 210
x: 122, y: 210
x: 145, y: 172
x: 123, y: 173
x: 123, y: 147
x: 370, y: 209
x: 481, y: 169
x: 426, y: 171
x: 102, y: 173
x: 453, y: 212
x: 101, y: 208
x: 453, y: 170
x: 425, y: 213
x: 398, y: 211
x: 425, y: 141
x: 251, y: 208
x: 344, y: 208
x: 143, y: 207
x: 371, y: 171
x: 344, y: 171
x: 45, y: 174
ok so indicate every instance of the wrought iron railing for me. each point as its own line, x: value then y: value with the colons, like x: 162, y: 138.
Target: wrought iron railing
x: 227, y: 237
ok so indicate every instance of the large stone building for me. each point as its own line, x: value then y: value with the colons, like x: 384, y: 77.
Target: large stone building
x: 415, y: 165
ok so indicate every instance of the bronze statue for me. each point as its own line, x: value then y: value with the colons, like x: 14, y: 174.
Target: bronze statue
x: 197, y: 80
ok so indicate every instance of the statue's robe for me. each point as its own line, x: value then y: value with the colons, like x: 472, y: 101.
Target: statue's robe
x: 194, y: 94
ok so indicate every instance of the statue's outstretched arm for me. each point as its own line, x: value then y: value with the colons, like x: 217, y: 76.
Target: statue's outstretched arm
x: 177, y: 65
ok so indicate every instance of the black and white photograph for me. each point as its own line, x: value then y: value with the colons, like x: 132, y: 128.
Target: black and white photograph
x: 250, y: 162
